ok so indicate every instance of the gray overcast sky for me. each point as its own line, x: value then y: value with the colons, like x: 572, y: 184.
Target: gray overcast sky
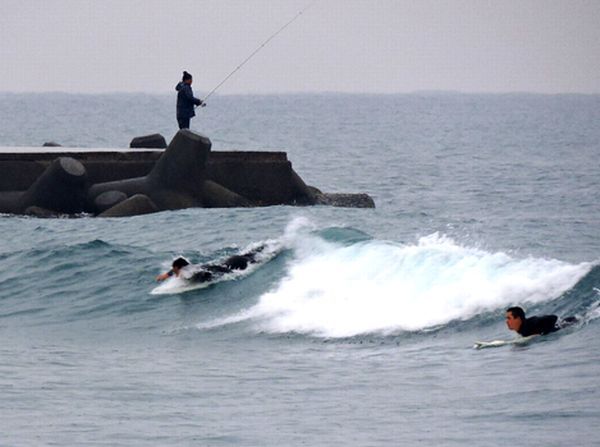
x: 385, y: 46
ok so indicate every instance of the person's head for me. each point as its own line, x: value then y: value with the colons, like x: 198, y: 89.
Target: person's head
x: 178, y: 264
x: 514, y: 318
x: 187, y: 78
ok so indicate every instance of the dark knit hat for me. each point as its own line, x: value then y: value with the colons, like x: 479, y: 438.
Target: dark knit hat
x: 186, y: 76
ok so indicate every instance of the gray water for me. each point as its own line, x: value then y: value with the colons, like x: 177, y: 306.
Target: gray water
x: 359, y: 331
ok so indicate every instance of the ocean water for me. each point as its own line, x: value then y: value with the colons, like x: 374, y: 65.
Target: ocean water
x: 358, y: 329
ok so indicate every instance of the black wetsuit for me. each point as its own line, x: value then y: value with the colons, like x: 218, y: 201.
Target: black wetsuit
x: 212, y: 271
x: 539, y: 325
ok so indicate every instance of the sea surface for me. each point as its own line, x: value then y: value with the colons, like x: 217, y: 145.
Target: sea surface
x: 358, y: 329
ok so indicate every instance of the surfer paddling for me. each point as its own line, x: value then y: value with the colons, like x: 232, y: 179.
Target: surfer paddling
x: 527, y: 328
x: 208, y: 272
x: 542, y: 325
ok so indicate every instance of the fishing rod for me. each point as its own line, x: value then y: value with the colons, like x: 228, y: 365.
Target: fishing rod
x: 257, y: 50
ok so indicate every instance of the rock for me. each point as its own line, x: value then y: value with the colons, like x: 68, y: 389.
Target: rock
x: 133, y: 206
x: 60, y: 188
x: 154, y: 141
x: 10, y: 202
x: 36, y: 211
x: 177, y: 179
x: 51, y: 144
x: 108, y: 199
x: 345, y: 200
x: 304, y: 194
x: 217, y: 196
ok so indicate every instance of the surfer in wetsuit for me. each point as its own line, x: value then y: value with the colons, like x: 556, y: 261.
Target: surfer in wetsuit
x: 542, y: 325
x: 176, y: 267
x: 208, y: 272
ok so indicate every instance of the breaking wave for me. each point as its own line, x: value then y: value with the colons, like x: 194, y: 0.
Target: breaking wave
x: 333, y: 289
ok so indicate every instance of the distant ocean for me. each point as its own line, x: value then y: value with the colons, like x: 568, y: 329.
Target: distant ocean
x: 359, y: 330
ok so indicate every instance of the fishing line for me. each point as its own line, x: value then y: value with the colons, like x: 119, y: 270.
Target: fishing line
x: 258, y: 49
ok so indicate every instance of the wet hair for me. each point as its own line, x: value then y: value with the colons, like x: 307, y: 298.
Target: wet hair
x: 186, y: 76
x: 180, y: 263
x: 517, y: 312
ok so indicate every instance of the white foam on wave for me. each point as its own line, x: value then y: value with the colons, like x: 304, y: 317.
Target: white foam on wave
x: 593, y: 312
x: 174, y: 285
x: 384, y: 287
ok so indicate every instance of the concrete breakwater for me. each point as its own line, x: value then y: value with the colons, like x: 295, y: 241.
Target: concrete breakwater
x: 125, y: 183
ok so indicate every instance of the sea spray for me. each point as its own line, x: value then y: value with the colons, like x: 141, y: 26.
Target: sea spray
x: 332, y: 290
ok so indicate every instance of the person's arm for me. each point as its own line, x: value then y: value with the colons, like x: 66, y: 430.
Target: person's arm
x: 164, y: 276
x: 189, y: 95
x: 548, y: 324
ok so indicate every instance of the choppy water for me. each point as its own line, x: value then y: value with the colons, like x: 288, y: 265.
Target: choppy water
x: 359, y: 331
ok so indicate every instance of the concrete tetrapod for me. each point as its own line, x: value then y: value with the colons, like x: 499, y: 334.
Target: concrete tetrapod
x: 178, y: 180
x: 108, y: 199
x: 154, y: 141
x: 175, y: 181
x: 133, y: 206
x: 60, y: 188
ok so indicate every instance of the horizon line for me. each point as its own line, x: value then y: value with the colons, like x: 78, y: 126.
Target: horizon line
x: 424, y: 92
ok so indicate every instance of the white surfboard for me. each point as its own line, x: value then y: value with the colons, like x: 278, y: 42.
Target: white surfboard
x: 174, y: 286
x: 498, y: 343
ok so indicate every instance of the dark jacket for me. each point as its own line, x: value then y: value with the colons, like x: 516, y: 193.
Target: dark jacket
x: 235, y: 262
x: 539, y: 325
x: 186, y: 100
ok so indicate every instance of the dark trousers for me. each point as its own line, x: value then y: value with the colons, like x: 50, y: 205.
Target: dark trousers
x: 184, y: 123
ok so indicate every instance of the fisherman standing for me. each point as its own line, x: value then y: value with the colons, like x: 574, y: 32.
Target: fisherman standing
x: 186, y: 101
